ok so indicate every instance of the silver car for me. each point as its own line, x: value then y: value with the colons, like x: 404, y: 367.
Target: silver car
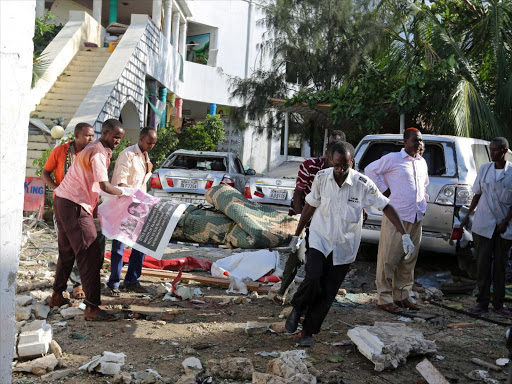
x: 187, y: 175
x: 276, y: 187
x: 453, y: 163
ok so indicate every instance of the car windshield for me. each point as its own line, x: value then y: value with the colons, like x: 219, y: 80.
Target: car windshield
x: 434, y: 156
x: 287, y: 170
x: 196, y: 162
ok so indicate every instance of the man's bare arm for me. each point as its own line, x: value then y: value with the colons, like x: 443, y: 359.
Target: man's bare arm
x: 109, y: 188
x: 47, y: 178
x: 298, y: 200
x: 393, y: 216
x: 306, y: 215
x: 472, y: 207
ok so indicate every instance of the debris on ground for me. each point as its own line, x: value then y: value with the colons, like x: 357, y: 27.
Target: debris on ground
x: 235, y: 368
x: 34, y: 339
x: 502, y: 362
x: 481, y: 375
x: 430, y: 373
x: 71, y: 312
x: 485, y: 364
x: 256, y: 327
x: 389, y: 344
x: 108, y: 363
x: 38, y: 366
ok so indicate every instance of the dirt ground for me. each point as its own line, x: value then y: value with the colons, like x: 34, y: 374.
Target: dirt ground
x: 211, y: 330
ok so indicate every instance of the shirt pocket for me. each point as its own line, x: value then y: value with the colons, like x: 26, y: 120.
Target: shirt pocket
x: 353, y: 213
x: 325, y: 206
x: 506, y: 196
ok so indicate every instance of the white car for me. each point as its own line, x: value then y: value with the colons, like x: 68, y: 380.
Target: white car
x: 276, y: 187
x: 187, y: 175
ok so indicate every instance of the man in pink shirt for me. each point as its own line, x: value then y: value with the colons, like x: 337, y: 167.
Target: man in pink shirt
x: 75, y: 204
x: 403, y: 176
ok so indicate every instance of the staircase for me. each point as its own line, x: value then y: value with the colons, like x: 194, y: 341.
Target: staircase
x: 68, y: 92
x: 64, y: 98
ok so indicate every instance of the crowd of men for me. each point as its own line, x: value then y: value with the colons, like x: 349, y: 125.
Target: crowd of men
x: 331, y: 198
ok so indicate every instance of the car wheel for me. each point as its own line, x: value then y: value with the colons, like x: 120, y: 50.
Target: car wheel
x: 466, y: 260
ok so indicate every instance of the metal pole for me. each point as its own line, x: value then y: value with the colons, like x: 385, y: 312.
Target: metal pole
x: 286, y: 134
x: 249, y: 38
x: 402, y: 124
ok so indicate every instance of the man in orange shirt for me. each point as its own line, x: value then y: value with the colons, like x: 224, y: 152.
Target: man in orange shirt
x: 60, y: 160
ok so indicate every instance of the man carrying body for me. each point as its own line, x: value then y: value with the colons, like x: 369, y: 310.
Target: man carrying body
x: 403, y: 177
x: 133, y: 169
x: 492, y: 231
x: 60, y: 160
x: 335, y: 204
x: 307, y: 172
x: 75, y: 202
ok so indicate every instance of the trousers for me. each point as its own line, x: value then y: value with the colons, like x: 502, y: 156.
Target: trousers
x: 78, y: 241
x: 134, y: 265
x: 317, y: 292
x: 492, y: 258
x: 395, y: 276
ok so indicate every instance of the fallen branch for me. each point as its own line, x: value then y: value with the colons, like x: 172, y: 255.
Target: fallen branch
x: 486, y: 364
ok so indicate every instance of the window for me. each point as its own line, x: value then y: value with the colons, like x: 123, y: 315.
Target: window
x: 239, y: 168
x: 434, y: 156
x: 480, y: 155
x: 196, y: 162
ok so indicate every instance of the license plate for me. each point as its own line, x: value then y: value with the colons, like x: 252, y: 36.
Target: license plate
x: 189, y: 184
x: 276, y: 194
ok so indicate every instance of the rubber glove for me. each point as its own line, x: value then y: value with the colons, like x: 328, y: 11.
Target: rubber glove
x: 126, y: 193
x: 408, y: 246
x: 294, y: 243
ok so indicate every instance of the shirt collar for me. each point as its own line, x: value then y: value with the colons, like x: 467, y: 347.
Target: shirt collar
x: 405, y: 154
x: 137, y: 149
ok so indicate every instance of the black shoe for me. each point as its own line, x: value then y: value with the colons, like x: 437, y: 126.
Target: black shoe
x: 306, y: 340
x: 292, y: 321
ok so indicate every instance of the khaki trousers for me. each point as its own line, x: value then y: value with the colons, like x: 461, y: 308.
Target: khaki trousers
x: 395, y: 276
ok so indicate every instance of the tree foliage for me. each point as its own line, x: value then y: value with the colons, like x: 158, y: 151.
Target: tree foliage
x: 204, y: 135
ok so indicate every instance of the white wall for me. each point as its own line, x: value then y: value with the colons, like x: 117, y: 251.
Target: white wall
x: 16, y: 71
x: 61, y: 8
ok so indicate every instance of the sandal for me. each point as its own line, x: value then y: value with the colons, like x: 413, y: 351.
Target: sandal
x: 102, y: 316
x: 478, y: 310
x: 78, y: 292
x: 113, y: 292
x: 390, y: 308
x: 504, y: 311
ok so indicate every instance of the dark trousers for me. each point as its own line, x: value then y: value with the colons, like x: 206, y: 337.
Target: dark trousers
x: 492, y: 259
x: 293, y: 263
x: 78, y: 241
x: 318, y: 290
x: 134, y: 265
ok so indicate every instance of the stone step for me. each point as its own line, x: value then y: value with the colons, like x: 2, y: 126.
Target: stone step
x: 92, y: 54
x: 55, y: 109
x: 83, y: 86
x: 52, y: 115
x: 66, y: 94
x: 77, y: 79
x: 95, y: 49
x: 65, y: 102
x: 74, y: 74
x: 86, y: 68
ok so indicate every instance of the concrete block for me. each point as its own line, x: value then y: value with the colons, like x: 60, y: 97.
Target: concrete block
x: 38, y: 366
x: 41, y: 311
x: 108, y: 363
x: 287, y: 365
x: 23, y: 313
x: 388, y: 344
x: 236, y: 368
x: 34, y: 339
x: 192, y: 365
x: 56, y: 349
x: 23, y: 300
x: 256, y: 327
x: 71, y: 312
x: 430, y: 373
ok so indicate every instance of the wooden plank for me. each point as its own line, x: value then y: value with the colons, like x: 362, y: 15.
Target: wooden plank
x: 430, y: 373
x: 486, y: 364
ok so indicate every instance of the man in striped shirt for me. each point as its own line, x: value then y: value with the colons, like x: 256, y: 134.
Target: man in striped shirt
x: 307, y: 172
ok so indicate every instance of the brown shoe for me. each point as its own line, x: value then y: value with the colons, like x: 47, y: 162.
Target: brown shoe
x: 406, y: 303
x: 390, y: 307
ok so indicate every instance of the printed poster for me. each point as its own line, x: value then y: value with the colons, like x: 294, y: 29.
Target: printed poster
x: 143, y: 222
x: 198, y: 48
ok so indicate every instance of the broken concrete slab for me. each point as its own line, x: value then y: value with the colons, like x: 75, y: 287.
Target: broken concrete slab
x: 266, y: 378
x: 430, y: 373
x: 38, y: 366
x: 56, y: 349
x: 278, y: 327
x: 34, y: 339
x: 389, y: 344
x: 109, y: 363
x: 187, y: 379
x: 287, y: 365
x: 123, y: 378
x: 71, y: 312
x: 23, y: 312
x: 236, y: 368
x: 256, y: 327
x: 192, y: 365
x: 41, y: 311
x: 57, y: 375
x: 23, y: 301
x: 41, y: 296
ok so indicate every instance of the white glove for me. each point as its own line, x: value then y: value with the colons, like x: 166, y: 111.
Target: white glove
x: 294, y: 243
x: 126, y: 193
x: 408, y: 246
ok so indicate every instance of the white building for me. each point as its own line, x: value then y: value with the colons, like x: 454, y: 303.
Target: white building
x: 178, y: 52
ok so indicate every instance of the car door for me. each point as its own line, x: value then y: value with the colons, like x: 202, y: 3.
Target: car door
x: 238, y: 174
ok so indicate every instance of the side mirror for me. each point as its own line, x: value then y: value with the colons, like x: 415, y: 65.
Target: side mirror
x: 250, y: 172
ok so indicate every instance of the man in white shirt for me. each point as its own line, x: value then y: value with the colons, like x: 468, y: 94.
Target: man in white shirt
x: 335, y: 205
x: 492, y: 230
x: 133, y: 169
x: 403, y: 176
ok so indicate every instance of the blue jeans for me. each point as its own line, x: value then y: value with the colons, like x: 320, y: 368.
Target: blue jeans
x: 134, y: 265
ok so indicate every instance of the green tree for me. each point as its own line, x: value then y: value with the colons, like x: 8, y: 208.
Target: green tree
x: 203, y: 136
x: 44, y: 32
x: 166, y: 144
